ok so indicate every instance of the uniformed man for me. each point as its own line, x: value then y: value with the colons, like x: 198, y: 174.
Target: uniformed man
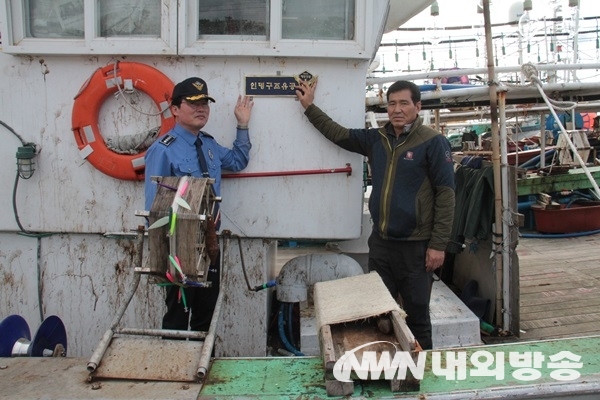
x: 187, y: 150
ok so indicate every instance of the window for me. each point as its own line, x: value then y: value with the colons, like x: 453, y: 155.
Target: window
x: 65, y: 18
x: 232, y: 17
x: 129, y: 18
x: 55, y: 19
x: 334, y: 20
x: 90, y: 26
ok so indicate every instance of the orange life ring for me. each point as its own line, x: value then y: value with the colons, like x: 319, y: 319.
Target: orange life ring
x: 86, y: 109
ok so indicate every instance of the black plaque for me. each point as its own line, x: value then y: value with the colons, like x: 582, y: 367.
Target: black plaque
x: 271, y: 86
x: 276, y: 85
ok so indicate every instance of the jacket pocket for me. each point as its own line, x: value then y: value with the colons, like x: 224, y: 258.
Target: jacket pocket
x: 424, y: 210
x: 188, y: 168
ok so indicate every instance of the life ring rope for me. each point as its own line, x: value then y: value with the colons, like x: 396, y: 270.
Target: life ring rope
x: 118, y: 77
x: 163, y: 106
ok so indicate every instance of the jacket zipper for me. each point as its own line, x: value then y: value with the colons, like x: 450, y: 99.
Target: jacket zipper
x: 384, y: 222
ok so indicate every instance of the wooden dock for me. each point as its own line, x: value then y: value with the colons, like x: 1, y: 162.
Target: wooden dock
x: 560, y: 287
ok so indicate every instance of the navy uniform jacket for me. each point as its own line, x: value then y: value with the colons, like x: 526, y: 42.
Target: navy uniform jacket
x: 175, y: 154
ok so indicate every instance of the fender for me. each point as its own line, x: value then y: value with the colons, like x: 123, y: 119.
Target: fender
x: 103, y: 83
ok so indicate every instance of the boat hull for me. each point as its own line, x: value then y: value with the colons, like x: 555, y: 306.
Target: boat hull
x: 578, y: 217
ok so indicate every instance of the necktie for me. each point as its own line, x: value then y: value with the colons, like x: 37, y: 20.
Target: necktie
x: 204, y: 168
x: 201, y: 159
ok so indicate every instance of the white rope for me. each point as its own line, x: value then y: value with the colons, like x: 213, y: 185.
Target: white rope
x: 131, y: 144
x: 530, y: 72
x: 122, y: 93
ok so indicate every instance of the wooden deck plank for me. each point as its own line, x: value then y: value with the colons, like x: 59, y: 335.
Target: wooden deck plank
x: 544, y: 274
x: 567, y: 264
x: 574, y: 277
x: 561, y: 320
x: 565, y: 272
x: 530, y: 312
x: 555, y: 297
x: 567, y: 285
x: 583, y: 329
x: 559, y: 287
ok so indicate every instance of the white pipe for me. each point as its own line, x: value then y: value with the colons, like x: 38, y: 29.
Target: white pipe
x: 161, y: 332
x: 542, y: 140
x: 299, y: 273
x: 436, y: 94
x: 371, y: 119
x: 575, y: 40
x: 479, y: 115
x: 506, y: 211
x: 483, y: 90
x: 209, y: 341
x: 474, y: 71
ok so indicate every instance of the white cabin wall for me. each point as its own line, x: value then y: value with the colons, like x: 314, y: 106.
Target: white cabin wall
x: 303, y: 206
x: 83, y: 279
x: 67, y: 194
x: 84, y: 276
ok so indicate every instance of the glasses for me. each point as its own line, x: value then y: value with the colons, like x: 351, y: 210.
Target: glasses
x: 196, y: 104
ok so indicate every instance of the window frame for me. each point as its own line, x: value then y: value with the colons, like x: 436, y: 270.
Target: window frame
x: 274, y: 45
x: 179, y: 27
x: 17, y: 42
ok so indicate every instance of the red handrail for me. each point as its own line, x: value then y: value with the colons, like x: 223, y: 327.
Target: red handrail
x: 347, y: 169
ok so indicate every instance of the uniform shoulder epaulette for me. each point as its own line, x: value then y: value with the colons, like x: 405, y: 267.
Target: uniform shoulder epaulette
x: 167, y: 139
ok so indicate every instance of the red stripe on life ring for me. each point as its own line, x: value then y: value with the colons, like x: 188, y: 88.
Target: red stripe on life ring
x: 86, y: 109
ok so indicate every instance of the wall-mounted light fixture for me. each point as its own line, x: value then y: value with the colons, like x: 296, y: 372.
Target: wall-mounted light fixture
x: 25, y: 162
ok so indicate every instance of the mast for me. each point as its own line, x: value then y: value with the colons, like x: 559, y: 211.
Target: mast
x: 492, y: 84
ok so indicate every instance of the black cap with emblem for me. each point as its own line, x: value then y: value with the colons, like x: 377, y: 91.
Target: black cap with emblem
x: 192, y: 89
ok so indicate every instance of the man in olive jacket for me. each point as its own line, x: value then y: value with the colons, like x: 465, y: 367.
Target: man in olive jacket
x: 412, y: 198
